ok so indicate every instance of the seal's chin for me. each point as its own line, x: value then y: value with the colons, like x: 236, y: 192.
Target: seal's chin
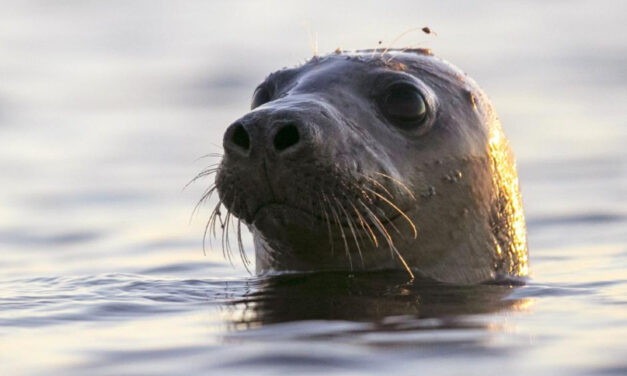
x: 283, y: 214
x: 276, y: 220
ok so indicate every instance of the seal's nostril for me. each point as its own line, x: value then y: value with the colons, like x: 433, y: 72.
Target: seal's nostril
x: 240, y: 137
x: 286, y: 137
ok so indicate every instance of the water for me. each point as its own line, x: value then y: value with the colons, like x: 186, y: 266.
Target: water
x: 106, y: 106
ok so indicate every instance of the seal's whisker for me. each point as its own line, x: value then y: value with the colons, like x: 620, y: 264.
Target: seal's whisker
x: 399, y: 183
x: 390, y: 222
x: 381, y: 228
x: 378, y: 184
x: 365, y: 194
x: 227, y: 225
x: 231, y: 229
x: 402, y: 213
x: 222, y: 246
x: 204, y: 238
x: 225, y: 236
x: 214, y: 155
x: 339, y: 225
x: 210, y: 225
x: 226, y: 246
x: 371, y: 200
x: 217, y: 217
x: 210, y: 155
x: 206, y: 196
x: 350, y: 223
x: 240, y: 246
x: 364, y: 224
x: 326, y: 215
x: 385, y: 217
x: 393, y: 249
x: 213, y: 165
x: 371, y: 213
x: 212, y: 169
x: 377, y: 222
x: 402, y: 260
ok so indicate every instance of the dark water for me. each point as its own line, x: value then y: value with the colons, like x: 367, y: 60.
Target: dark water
x: 106, y: 106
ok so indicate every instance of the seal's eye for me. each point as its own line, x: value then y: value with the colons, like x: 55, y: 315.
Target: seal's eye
x: 261, y: 96
x: 404, y: 103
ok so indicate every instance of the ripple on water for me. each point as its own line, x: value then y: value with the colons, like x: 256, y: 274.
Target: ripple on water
x: 53, y: 300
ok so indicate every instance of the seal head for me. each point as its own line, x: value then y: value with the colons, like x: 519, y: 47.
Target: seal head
x: 370, y: 161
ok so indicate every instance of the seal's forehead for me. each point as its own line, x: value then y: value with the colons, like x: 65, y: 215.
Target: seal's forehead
x: 356, y: 64
x: 324, y: 68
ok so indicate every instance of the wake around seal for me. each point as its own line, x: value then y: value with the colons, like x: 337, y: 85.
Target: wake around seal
x: 374, y: 160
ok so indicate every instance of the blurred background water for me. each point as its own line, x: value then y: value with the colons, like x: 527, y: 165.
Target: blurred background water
x: 105, y: 107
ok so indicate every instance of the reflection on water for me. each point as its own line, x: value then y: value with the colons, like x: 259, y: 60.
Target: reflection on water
x: 364, y: 297
x: 120, y: 321
x: 322, y: 322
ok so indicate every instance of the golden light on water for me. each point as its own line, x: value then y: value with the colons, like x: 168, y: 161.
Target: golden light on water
x: 523, y: 305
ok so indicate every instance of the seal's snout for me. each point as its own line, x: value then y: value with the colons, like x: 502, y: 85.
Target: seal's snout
x: 266, y: 137
x: 272, y: 155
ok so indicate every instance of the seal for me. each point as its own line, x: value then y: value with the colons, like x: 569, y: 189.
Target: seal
x: 373, y: 160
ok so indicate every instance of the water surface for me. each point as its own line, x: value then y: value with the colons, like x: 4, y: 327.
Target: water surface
x: 105, y: 108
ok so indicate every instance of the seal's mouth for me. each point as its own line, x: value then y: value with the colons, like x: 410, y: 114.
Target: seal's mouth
x: 271, y: 208
x: 307, y: 201
x: 292, y: 213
